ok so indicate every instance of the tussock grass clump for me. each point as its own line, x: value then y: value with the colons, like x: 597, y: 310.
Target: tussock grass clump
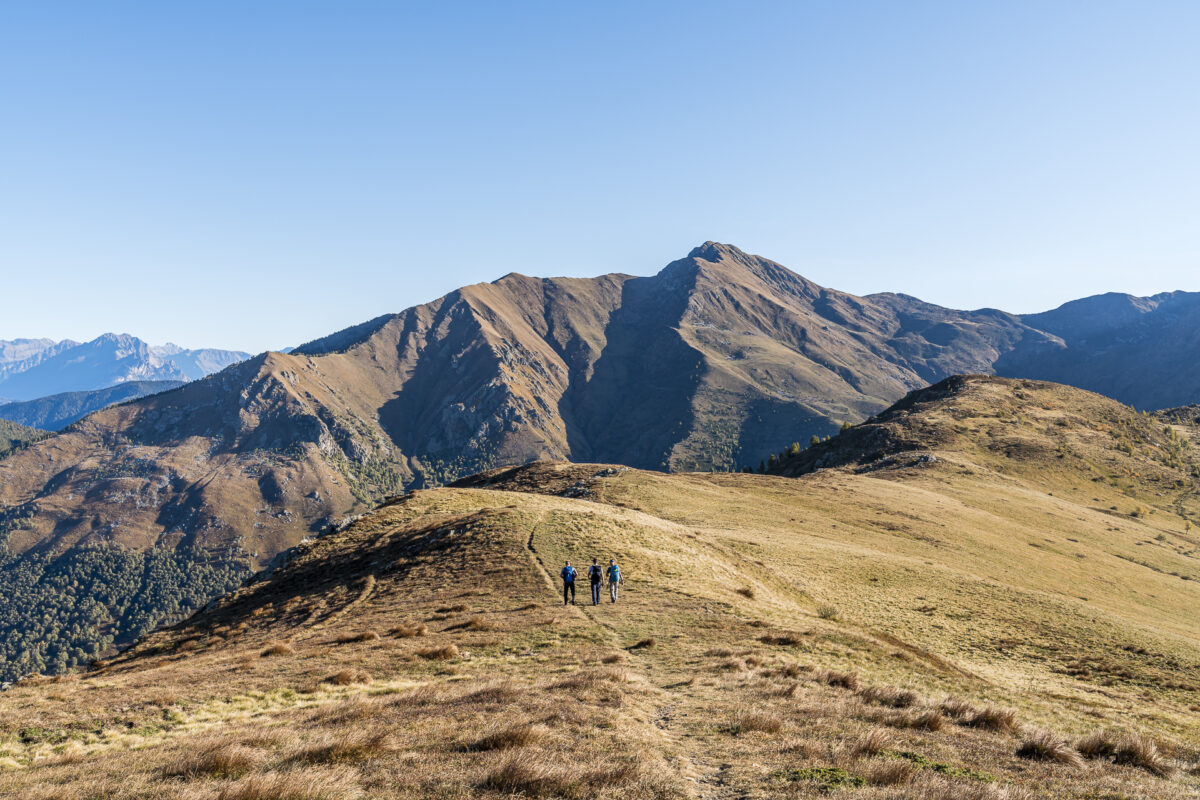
x: 1047, y: 746
x: 719, y: 652
x: 506, y: 737
x: 455, y: 609
x: 278, y: 649
x: 747, y: 592
x: 841, y: 680
x: 530, y: 607
x: 931, y: 720
x: 446, y: 652
x: 888, y: 773
x: 1131, y: 750
x: 226, y: 760
x: 300, y: 784
x: 409, y: 631
x: 754, y: 721
x: 473, y: 624
x: 348, y: 746
x: 829, y: 612
x: 644, y: 643
x: 613, y: 658
x: 364, y: 636
x: 957, y: 708
x: 992, y: 718
x: 502, y: 691
x: 873, y: 743
x: 347, y: 677
x: 888, y: 696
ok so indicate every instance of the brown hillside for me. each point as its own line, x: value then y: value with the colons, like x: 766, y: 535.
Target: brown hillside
x: 706, y: 365
x: 989, y: 624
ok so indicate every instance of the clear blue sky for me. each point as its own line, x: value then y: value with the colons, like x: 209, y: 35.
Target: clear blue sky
x: 253, y: 175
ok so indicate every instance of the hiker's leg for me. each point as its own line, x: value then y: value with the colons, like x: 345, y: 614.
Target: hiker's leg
x: 565, y: 587
x: 612, y: 591
x: 595, y: 593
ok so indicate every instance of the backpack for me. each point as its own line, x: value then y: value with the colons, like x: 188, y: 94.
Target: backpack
x: 595, y: 573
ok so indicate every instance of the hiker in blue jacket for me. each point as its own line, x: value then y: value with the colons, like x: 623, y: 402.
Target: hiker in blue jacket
x: 614, y: 578
x: 568, y: 578
x: 595, y: 577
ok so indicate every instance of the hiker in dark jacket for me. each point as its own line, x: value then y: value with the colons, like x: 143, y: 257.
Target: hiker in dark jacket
x: 568, y: 578
x: 596, y: 577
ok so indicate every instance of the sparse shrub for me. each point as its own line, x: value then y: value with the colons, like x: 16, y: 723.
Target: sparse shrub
x: 279, y: 649
x: 347, y: 677
x: 1046, y: 746
x: 503, y: 738
x: 446, y: 652
x: 226, y: 760
x: 827, y: 611
x: 409, y: 631
x: 760, y: 721
x: 888, y: 696
x: 364, y: 636
x: 747, y: 592
x: 644, y: 644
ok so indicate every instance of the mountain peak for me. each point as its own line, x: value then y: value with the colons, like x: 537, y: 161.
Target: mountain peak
x: 716, y: 251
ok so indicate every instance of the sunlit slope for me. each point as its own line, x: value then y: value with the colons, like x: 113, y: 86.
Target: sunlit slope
x: 776, y: 636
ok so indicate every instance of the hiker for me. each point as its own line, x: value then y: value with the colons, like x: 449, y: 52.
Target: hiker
x: 595, y: 576
x: 568, y: 576
x: 614, y: 578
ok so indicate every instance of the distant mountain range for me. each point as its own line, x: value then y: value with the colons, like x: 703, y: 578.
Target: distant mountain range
x: 57, y: 411
x: 35, y: 368
x: 716, y: 361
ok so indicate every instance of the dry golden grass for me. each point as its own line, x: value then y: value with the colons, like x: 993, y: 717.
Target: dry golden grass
x: 754, y: 721
x: 221, y: 759
x: 299, y: 784
x: 409, y: 631
x: 1011, y: 637
x: 278, y: 649
x: 364, y: 636
x: 346, y: 746
x: 346, y: 677
x: 509, y: 736
x: 446, y: 652
x: 1048, y: 746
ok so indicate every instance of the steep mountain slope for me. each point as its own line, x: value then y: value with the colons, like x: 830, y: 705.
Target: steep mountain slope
x: 57, y: 411
x: 717, y: 360
x: 1136, y: 349
x: 930, y: 630
x: 105, y: 361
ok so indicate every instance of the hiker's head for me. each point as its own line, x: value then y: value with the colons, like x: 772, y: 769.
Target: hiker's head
x: 612, y: 561
x: 568, y: 563
x: 595, y: 561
